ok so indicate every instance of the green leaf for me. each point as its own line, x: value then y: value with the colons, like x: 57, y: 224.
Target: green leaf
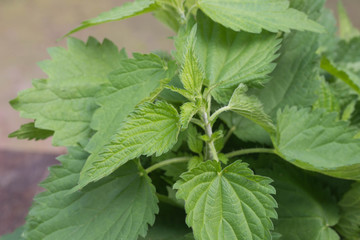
x: 16, y: 235
x: 294, y: 82
x: 349, y: 224
x: 315, y: 141
x: 192, y: 75
x: 229, y: 58
x: 327, y: 98
x: 194, y: 142
x: 232, y: 203
x: 346, y: 75
x: 150, y: 129
x: 271, y: 15
x: 134, y: 80
x: 347, y: 30
x: 250, y: 107
x: 29, y: 131
x: 187, y: 111
x: 307, y: 210
x: 127, y: 10
x: 65, y: 102
x: 169, y: 16
x: 119, y: 207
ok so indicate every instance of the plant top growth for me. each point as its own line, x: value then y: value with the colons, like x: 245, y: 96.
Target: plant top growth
x: 248, y: 130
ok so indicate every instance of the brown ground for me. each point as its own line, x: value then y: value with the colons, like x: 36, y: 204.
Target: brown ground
x: 27, y: 28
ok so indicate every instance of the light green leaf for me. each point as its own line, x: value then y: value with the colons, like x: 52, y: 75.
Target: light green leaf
x: 253, y: 16
x: 294, y: 82
x: 65, y: 102
x: 150, y: 129
x: 307, y: 210
x: 232, y: 203
x: 134, y: 80
x: 250, y: 107
x: 349, y: 224
x: 346, y: 75
x: 194, y: 142
x: 315, y: 141
x: 229, y: 58
x: 192, y: 75
x: 327, y: 98
x: 187, y: 111
x: 169, y: 16
x: 16, y: 235
x: 119, y: 207
x: 347, y: 30
x: 29, y: 131
x: 127, y: 10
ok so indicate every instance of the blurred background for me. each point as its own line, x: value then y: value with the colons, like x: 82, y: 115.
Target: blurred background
x: 27, y: 29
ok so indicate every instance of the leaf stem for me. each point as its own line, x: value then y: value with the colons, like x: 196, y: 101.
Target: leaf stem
x: 198, y: 122
x: 218, y: 112
x: 249, y: 151
x: 166, y: 162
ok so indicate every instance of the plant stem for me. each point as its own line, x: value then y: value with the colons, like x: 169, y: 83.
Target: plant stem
x: 167, y: 162
x: 208, y: 131
x: 249, y: 151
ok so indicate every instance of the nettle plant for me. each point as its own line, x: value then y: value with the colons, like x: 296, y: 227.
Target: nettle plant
x: 248, y: 130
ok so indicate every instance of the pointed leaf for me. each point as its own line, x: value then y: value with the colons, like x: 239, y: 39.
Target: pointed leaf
x: 65, y: 102
x: 192, y: 75
x: 250, y: 107
x: 150, y: 129
x: 253, y: 16
x: 346, y: 75
x: 29, y: 131
x: 119, y: 207
x: 347, y: 30
x: 134, y: 80
x: 327, y: 98
x: 316, y: 141
x: 232, y: 203
x: 127, y: 10
x: 294, y: 82
x: 194, y: 142
x: 187, y: 111
x: 229, y: 58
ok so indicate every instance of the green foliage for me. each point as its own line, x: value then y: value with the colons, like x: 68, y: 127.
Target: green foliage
x: 232, y: 203
x: 273, y: 15
x: 29, y: 131
x: 150, y: 129
x: 124, y: 202
x: 306, y: 210
x: 349, y: 224
x: 302, y: 138
x: 165, y: 127
x: 127, y: 10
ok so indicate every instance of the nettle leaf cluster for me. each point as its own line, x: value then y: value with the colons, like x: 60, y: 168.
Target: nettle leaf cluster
x: 249, y: 129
